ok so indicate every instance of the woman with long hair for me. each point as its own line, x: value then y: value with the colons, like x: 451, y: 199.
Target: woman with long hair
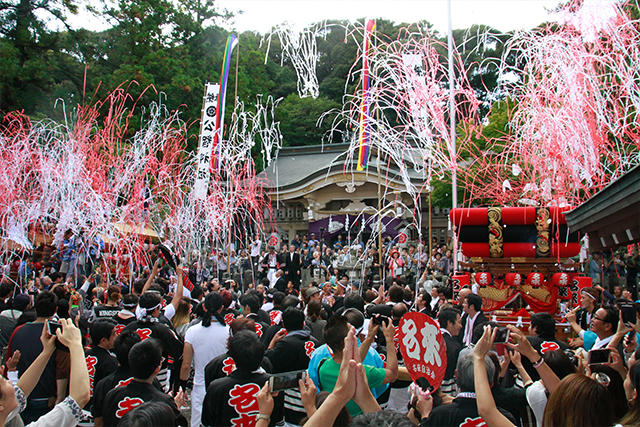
x: 579, y: 401
x: 632, y: 388
x: 182, y: 317
x: 203, y: 342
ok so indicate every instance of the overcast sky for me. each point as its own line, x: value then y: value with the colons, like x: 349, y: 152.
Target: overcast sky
x: 504, y: 15
x: 261, y: 15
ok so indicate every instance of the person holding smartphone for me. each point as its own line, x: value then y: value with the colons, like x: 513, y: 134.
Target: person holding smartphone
x: 25, y: 340
x: 335, y: 333
x: 290, y: 350
x: 66, y: 413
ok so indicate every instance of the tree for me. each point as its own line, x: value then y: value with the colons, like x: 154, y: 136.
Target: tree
x: 28, y: 49
x: 298, y: 119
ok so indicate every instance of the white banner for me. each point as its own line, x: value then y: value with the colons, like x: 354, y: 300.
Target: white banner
x: 207, y: 131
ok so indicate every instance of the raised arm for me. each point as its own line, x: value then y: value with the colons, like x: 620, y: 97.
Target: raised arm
x: 619, y: 335
x: 151, y: 278
x: 70, y: 336
x: 571, y: 318
x: 486, y: 405
x: 392, y: 357
x: 380, y: 298
x: 549, y: 378
x: 177, y: 295
x: 517, y: 361
x: 366, y: 343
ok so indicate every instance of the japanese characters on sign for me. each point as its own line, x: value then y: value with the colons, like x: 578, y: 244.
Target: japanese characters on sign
x: 423, y: 348
x: 205, y: 147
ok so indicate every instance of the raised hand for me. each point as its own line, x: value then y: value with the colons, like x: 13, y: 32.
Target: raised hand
x: 265, y: 400
x: 308, y: 394
x: 346, y: 384
x: 522, y: 344
x: 68, y: 335
x: 486, y: 342
x: 12, y: 362
x: 48, y: 341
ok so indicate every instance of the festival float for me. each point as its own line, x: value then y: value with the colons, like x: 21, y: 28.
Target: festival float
x: 519, y: 252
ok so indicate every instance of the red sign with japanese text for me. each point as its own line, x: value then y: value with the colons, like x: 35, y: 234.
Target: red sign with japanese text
x: 423, y: 348
x: 577, y: 285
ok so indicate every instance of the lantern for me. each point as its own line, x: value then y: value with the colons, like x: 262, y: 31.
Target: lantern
x: 483, y: 278
x: 513, y: 279
x: 560, y: 279
x: 535, y: 279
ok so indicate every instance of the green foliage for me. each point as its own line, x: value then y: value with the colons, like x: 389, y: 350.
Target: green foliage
x: 298, y: 117
x: 169, y: 49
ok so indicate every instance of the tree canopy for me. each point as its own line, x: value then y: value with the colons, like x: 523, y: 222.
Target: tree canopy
x: 169, y: 49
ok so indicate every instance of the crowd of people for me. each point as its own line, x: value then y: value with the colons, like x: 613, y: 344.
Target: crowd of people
x: 173, y: 346
x: 309, y: 259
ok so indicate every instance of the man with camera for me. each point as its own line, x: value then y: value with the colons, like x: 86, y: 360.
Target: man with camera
x: 335, y: 332
x: 25, y: 339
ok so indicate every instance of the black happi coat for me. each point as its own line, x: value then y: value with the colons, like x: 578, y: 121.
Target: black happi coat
x: 232, y: 400
x: 121, y: 400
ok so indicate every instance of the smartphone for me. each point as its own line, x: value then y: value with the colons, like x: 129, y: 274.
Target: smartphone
x: 502, y: 336
x: 628, y: 312
x: 286, y: 380
x: 52, y: 327
x: 599, y: 356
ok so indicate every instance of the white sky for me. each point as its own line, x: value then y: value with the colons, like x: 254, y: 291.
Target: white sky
x: 261, y: 15
x: 504, y: 15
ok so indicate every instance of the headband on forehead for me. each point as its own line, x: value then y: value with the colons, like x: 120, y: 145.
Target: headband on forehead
x: 584, y: 292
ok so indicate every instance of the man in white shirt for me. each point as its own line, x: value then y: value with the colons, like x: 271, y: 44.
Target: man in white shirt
x: 254, y: 253
x: 222, y: 265
x: 604, y: 323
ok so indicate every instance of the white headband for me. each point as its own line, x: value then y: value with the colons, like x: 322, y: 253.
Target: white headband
x: 143, y: 311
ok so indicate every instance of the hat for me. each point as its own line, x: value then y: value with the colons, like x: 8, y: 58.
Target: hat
x: 21, y: 301
x: 311, y: 291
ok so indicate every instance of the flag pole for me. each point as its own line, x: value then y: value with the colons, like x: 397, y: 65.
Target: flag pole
x: 452, y: 147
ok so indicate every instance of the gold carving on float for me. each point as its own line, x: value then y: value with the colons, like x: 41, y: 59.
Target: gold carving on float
x: 542, y: 225
x: 495, y: 232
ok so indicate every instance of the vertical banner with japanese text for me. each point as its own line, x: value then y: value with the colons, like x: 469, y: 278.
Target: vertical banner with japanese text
x: 207, y: 132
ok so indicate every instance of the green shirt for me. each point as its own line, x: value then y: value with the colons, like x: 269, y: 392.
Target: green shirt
x: 328, y: 374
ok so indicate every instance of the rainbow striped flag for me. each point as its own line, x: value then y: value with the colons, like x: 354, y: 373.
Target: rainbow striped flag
x: 232, y: 42
x: 363, y: 152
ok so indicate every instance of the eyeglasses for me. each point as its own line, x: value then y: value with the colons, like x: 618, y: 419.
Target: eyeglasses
x: 597, y: 318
